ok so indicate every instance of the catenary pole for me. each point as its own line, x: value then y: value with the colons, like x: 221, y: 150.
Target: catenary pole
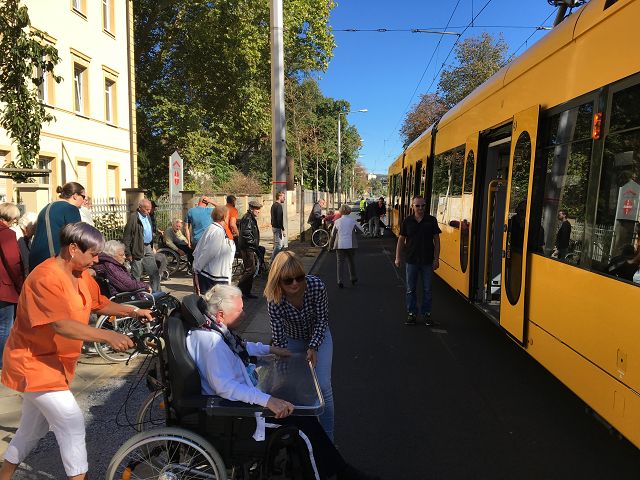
x: 278, y: 125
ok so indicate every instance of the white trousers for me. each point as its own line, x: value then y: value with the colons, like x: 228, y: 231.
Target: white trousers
x: 60, y: 413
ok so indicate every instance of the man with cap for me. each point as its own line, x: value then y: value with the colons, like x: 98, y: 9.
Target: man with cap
x: 249, y: 245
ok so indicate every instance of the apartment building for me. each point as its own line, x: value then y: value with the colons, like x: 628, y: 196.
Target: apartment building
x: 92, y: 140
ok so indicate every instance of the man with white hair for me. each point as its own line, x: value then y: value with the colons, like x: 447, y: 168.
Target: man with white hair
x: 25, y: 229
x: 223, y: 361
x: 138, y: 244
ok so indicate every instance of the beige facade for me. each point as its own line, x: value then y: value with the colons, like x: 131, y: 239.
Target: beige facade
x: 91, y: 139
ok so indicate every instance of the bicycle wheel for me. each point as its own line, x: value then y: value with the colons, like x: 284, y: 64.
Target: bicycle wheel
x: 320, y: 238
x: 152, y: 412
x: 174, y: 263
x: 236, y: 268
x: 124, y: 325
x: 166, y: 453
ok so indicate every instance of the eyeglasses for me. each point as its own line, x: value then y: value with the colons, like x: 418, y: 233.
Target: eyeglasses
x: 84, y: 197
x: 289, y: 280
x: 419, y: 205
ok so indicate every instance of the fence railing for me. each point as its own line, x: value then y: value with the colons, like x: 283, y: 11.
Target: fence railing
x: 110, y: 216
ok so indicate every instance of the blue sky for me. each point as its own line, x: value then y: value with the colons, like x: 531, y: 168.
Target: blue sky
x: 380, y: 71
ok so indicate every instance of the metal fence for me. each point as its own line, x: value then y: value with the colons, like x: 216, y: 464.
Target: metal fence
x: 110, y: 216
x: 167, y: 209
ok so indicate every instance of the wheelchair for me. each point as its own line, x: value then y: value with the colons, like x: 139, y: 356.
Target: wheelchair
x: 198, y: 436
x: 175, y: 261
x: 129, y: 326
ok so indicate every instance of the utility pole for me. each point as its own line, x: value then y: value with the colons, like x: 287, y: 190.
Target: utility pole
x: 339, y: 166
x: 278, y: 123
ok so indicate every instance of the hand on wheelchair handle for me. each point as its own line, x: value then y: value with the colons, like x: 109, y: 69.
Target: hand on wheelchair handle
x: 144, y: 315
x: 280, y: 407
x: 312, y: 357
x: 281, y: 352
x: 118, y: 341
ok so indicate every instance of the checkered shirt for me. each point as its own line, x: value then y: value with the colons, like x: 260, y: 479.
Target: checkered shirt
x: 308, y: 324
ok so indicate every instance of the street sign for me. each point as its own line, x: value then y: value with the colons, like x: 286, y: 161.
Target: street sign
x: 176, y: 174
x: 628, y: 202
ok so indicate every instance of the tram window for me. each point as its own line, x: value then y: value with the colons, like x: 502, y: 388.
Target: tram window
x: 467, y: 203
x: 568, y: 160
x: 625, y: 109
x: 446, y: 191
x: 518, y: 201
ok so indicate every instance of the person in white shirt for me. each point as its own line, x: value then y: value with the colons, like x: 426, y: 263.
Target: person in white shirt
x: 343, y: 240
x: 213, y: 256
x: 222, y: 359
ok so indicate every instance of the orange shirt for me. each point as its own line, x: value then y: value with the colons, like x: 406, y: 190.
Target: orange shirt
x: 36, y: 359
x: 233, y: 213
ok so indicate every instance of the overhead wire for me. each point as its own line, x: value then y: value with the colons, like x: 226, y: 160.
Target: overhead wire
x: 529, y: 37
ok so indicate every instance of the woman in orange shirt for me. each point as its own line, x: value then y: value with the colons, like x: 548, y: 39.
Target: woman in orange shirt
x: 45, y: 342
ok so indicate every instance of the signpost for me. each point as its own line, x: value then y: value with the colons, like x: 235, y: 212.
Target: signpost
x: 176, y: 174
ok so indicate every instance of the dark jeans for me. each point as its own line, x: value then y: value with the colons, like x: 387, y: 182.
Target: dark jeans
x: 186, y: 249
x: 349, y: 254
x: 205, y: 283
x: 413, y: 271
x: 249, y: 264
x: 7, y: 311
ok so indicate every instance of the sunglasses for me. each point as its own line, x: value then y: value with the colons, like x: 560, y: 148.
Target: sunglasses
x: 289, y: 280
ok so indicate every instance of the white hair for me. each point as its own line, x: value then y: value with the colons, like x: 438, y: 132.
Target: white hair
x: 221, y: 298
x: 143, y: 202
x: 112, y: 247
x: 27, y: 220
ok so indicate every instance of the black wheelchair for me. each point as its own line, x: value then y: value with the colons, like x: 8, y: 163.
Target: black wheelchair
x: 130, y: 326
x: 198, y: 436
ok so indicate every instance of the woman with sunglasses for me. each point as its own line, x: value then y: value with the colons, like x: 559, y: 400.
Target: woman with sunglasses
x: 51, y: 219
x: 299, y: 311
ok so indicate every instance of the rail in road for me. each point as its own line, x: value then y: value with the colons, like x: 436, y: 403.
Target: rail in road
x: 457, y: 402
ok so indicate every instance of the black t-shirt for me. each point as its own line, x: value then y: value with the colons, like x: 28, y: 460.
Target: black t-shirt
x: 563, y: 236
x: 419, y: 246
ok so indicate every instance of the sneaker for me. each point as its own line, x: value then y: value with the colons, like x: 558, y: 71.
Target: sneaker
x: 340, y: 285
x: 354, y: 281
x: 428, y: 322
x: 411, y: 319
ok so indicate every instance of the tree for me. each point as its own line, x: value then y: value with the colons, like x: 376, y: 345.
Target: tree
x: 429, y: 109
x: 25, y: 58
x: 477, y: 58
x: 203, y: 76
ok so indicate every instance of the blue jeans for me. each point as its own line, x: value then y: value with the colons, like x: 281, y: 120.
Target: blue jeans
x: 412, y: 286
x: 6, y: 322
x: 323, y: 371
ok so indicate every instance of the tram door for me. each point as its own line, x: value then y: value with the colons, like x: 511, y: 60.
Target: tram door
x: 491, y: 194
x: 516, y: 222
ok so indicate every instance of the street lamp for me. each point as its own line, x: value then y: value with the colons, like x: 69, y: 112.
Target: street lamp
x: 362, y: 110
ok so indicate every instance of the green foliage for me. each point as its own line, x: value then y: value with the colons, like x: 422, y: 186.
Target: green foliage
x: 203, y: 79
x: 22, y: 54
x: 111, y: 225
x: 477, y: 59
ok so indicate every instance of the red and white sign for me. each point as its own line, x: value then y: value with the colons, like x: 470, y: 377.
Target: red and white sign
x: 176, y: 174
x: 628, y: 201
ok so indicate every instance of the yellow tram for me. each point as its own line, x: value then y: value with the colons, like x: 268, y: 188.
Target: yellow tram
x: 557, y: 129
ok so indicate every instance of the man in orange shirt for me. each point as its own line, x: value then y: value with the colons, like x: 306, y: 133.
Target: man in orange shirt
x: 233, y: 215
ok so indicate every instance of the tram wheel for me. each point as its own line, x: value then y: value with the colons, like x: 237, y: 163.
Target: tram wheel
x: 166, y: 453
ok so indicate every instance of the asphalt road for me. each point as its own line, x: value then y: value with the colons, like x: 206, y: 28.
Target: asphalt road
x: 458, y: 402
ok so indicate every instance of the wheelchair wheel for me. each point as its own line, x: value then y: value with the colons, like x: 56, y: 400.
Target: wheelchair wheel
x: 152, y: 412
x: 174, y: 262
x: 126, y: 326
x: 236, y: 268
x: 320, y: 238
x: 166, y: 453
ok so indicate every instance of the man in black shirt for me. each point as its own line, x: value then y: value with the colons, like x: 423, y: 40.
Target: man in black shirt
x: 249, y: 244
x: 277, y: 225
x: 563, y: 236
x: 419, y: 236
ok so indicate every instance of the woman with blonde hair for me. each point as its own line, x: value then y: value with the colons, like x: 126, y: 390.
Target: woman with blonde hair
x: 343, y: 240
x: 299, y: 310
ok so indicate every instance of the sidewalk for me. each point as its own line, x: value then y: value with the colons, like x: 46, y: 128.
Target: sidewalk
x: 92, y: 372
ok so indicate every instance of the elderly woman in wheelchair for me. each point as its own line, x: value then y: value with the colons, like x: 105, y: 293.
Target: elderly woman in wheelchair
x: 211, y: 390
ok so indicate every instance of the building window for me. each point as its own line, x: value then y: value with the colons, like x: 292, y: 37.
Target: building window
x: 44, y: 162
x: 110, y: 101
x: 80, y: 89
x: 84, y: 175
x: 113, y: 182
x: 79, y: 6
x: 108, y: 11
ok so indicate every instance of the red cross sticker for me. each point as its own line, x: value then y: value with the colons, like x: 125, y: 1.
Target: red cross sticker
x: 176, y: 177
x: 628, y: 206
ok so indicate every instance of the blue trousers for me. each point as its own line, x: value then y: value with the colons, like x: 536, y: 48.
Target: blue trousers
x: 6, y: 322
x: 323, y: 372
x: 413, y: 271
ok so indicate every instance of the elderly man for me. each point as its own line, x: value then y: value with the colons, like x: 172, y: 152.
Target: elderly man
x: 176, y: 241
x: 249, y: 245
x: 198, y: 220
x: 223, y: 361
x: 315, y: 217
x: 138, y: 244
